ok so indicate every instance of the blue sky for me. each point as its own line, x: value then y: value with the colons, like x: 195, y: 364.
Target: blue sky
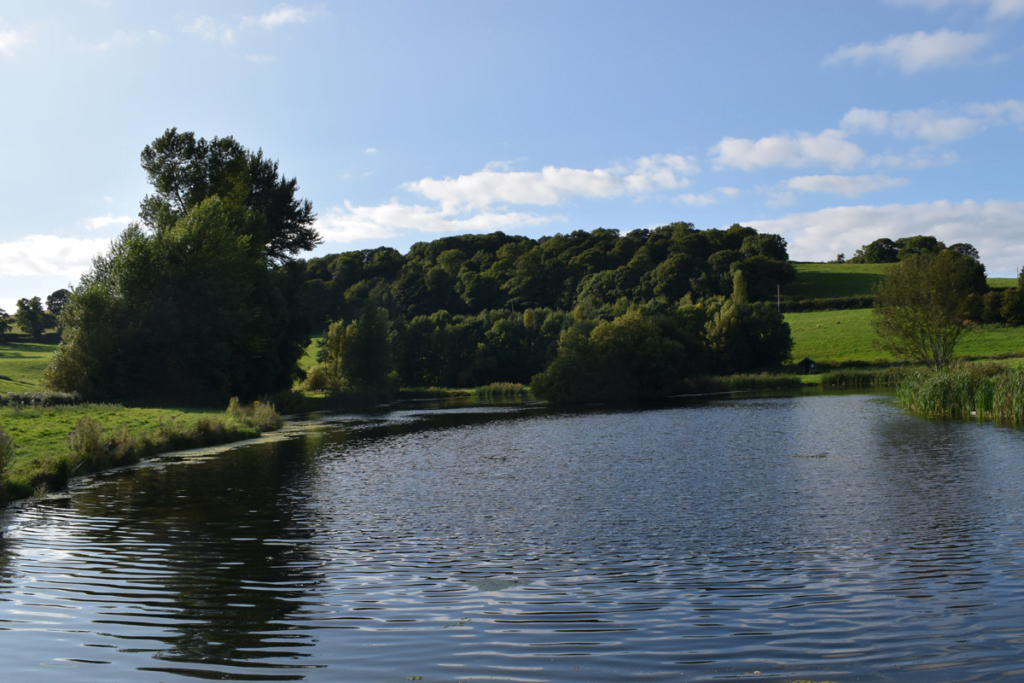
x: 832, y: 123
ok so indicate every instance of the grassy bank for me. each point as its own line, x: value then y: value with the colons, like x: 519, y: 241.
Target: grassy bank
x: 982, y: 391
x: 52, y: 444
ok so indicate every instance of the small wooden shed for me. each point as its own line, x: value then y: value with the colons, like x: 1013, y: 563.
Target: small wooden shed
x: 806, y: 366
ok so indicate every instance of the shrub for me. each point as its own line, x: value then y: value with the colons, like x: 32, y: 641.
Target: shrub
x: 1012, y: 306
x: 316, y: 380
x: 85, y: 443
x: 40, y: 398
x: 991, y: 302
x: 261, y: 416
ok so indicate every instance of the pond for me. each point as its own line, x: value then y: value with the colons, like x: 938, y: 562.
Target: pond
x: 804, y: 537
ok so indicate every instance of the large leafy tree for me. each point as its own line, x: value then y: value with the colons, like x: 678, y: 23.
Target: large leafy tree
x: 188, y: 313
x: 185, y: 171
x: 921, y: 308
x: 31, y: 317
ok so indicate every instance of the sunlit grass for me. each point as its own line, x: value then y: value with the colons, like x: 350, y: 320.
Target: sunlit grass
x: 52, y: 444
x: 845, y: 336
x: 22, y: 364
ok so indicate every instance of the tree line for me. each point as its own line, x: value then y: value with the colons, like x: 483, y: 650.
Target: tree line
x: 205, y: 297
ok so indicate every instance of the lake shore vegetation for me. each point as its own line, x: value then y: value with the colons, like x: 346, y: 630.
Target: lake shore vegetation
x: 50, y: 442
x: 982, y: 391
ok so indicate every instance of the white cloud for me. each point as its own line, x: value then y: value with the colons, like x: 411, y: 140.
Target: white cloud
x: 933, y: 126
x: 847, y: 186
x: 707, y: 197
x: 109, y: 219
x: 999, y: 113
x: 12, y: 40
x: 993, y: 227
x: 282, y: 14
x: 916, y: 51
x: 209, y: 28
x: 370, y: 150
x: 553, y: 185
x: 260, y: 59
x: 353, y: 223
x: 997, y: 9
x: 697, y: 199
x: 49, y: 255
x: 926, y: 124
x: 830, y: 147
x: 918, y: 157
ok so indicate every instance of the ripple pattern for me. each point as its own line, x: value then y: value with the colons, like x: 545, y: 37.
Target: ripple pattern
x: 824, y: 537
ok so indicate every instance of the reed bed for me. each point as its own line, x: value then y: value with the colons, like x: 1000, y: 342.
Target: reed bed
x: 501, y: 390
x: 986, y: 392
x: 863, y: 377
x: 760, y: 382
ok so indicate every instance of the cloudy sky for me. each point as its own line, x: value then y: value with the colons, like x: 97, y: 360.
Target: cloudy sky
x: 832, y: 123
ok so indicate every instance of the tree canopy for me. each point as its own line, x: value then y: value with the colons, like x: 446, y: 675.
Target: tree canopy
x: 189, y: 313
x: 922, y: 307
x: 185, y: 172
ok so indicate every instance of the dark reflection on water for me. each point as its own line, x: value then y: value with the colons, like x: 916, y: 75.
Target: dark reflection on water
x: 767, y: 539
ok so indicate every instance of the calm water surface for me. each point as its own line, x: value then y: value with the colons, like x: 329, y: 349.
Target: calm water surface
x: 821, y: 537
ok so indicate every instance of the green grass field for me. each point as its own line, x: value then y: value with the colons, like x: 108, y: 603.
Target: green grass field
x: 829, y: 280
x: 309, y: 360
x: 21, y: 365
x: 838, y: 336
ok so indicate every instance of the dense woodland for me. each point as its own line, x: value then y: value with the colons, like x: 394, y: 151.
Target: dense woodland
x: 476, y: 309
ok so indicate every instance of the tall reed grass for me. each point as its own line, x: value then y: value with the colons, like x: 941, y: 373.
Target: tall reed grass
x: 986, y: 392
x: 862, y: 377
x: 501, y: 390
x: 260, y: 415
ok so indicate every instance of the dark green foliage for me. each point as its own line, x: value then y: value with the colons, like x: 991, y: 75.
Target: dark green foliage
x: 189, y: 314
x: 991, y: 305
x: 628, y: 358
x: 366, y: 361
x: 470, y: 274
x: 882, y: 250
x: 886, y: 250
x: 741, y: 336
x: 56, y: 301
x: 43, y: 399
x: 843, y: 303
x: 654, y: 350
x: 5, y: 323
x: 967, y: 250
x: 1011, y: 307
x: 470, y: 351
x: 31, y: 317
x: 919, y: 244
x: 185, y: 172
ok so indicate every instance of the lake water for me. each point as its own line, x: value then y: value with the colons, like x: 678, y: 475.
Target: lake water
x: 818, y: 537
